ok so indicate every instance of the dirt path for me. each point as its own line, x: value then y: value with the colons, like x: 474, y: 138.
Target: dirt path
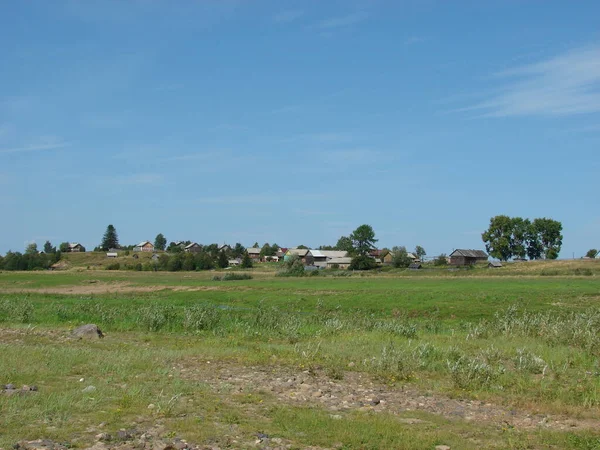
x: 358, y: 391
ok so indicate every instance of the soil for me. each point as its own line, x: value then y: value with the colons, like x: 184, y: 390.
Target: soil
x: 358, y: 391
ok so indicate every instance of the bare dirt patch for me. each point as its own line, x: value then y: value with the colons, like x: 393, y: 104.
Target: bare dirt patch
x: 357, y: 391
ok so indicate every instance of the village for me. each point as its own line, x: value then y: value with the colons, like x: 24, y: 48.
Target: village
x: 313, y: 259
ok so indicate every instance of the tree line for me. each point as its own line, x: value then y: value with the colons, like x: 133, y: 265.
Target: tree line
x: 515, y: 237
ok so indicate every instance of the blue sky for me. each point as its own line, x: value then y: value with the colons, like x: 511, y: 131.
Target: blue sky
x: 295, y: 122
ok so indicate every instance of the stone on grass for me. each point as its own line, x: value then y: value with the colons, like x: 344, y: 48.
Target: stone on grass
x: 442, y: 447
x: 89, y: 389
x: 89, y: 331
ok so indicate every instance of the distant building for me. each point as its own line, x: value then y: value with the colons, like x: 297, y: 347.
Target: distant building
x: 145, y: 246
x: 494, y: 264
x: 194, y: 247
x: 340, y: 263
x: 415, y: 266
x: 462, y: 257
x: 254, y: 253
x: 75, y: 247
x: 112, y: 255
x: 321, y: 257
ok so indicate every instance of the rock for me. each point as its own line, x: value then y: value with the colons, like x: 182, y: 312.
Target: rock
x: 39, y: 444
x: 103, y: 437
x: 88, y: 389
x: 9, y: 387
x: 151, y: 406
x: 442, y: 447
x: 335, y: 416
x: 89, y: 331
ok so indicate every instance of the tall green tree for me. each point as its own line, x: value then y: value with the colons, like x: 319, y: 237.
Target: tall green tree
x: 591, y: 253
x: 246, y: 261
x: 363, y: 240
x: 64, y: 247
x: 550, y: 236
x: 31, y: 249
x: 344, y: 244
x: 238, y: 250
x: 498, y: 236
x: 110, y: 238
x: 400, y: 257
x: 160, y: 242
x: 420, y: 252
x: 222, y: 260
x: 48, y: 248
x: 520, y: 232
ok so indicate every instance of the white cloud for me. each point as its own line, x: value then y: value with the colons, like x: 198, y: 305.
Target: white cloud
x: 288, y: 16
x: 49, y: 143
x: 567, y: 84
x: 342, y: 21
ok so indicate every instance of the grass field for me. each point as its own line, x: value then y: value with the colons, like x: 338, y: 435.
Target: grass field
x: 470, y: 359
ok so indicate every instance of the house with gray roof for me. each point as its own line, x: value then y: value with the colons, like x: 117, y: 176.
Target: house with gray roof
x: 463, y: 257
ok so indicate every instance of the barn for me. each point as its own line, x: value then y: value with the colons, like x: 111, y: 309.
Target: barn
x: 462, y: 257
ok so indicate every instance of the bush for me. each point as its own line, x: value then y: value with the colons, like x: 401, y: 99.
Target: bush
x: 441, y: 260
x: 113, y: 266
x: 363, y: 263
x: 199, y: 318
x: 232, y: 277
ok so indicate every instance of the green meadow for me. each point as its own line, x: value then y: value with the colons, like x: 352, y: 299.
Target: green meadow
x: 519, y: 347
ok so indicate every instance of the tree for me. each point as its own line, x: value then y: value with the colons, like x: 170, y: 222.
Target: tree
x: 420, y: 252
x: 238, y: 250
x: 520, y: 232
x: 344, y: 244
x: 64, y: 247
x: 550, y: 236
x: 110, y: 238
x: 48, y: 247
x: 400, y: 257
x: 256, y: 245
x: 363, y: 240
x: 497, y: 237
x: 441, y: 260
x: 31, y: 249
x: 222, y: 261
x: 591, y: 253
x: 302, y: 246
x: 362, y: 262
x: 246, y: 261
x: 160, y: 242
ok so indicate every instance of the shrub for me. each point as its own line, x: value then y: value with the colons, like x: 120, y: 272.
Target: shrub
x: 362, y: 263
x: 199, y: 318
x: 232, y: 277
x: 113, y: 266
x: 441, y: 260
x: 472, y: 373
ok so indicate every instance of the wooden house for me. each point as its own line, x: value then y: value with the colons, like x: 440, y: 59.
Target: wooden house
x: 194, y: 247
x: 462, y: 257
x: 145, y: 246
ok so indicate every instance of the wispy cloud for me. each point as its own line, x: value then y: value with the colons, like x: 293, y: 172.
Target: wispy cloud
x: 414, y: 40
x: 350, y: 156
x: 138, y: 179
x: 567, y: 84
x: 327, y: 137
x: 45, y: 144
x: 288, y: 16
x: 262, y: 198
x: 342, y: 21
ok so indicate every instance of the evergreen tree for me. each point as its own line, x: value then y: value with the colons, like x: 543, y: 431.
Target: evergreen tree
x: 222, y: 262
x: 48, y: 247
x: 110, y: 238
x: 246, y: 261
